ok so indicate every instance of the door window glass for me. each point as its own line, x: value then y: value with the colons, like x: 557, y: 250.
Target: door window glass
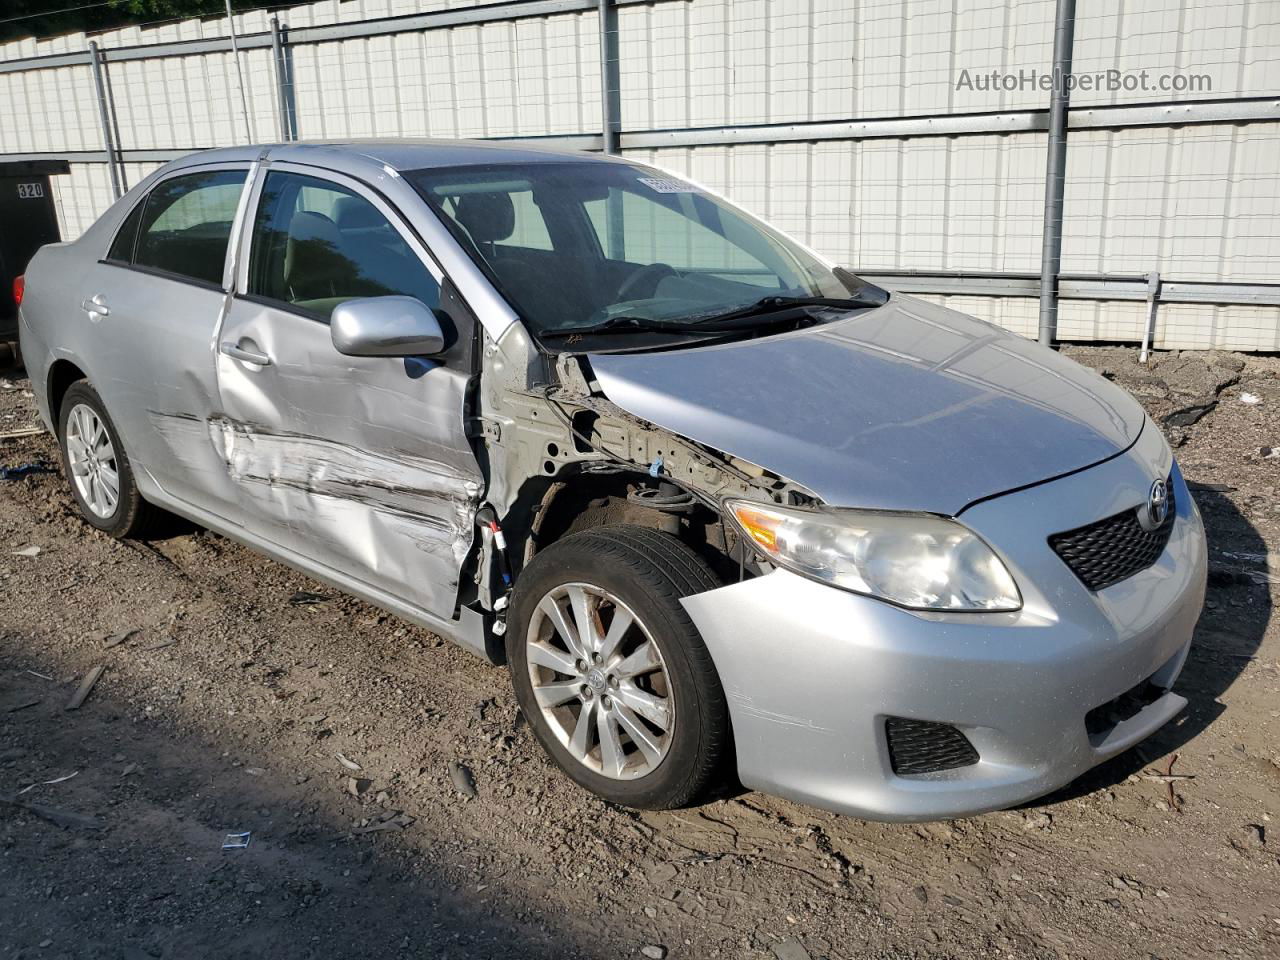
x: 186, y: 224
x: 122, y: 247
x: 499, y: 215
x: 317, y: 244
x: 530, y: 229
x: 685, y: 234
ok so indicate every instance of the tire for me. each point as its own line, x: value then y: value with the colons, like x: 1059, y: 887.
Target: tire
x: 643, y: 574
x: 128, y: 515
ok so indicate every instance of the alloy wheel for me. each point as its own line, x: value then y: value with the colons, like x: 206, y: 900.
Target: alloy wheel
x: 92, y: 459
x: 600, y: 681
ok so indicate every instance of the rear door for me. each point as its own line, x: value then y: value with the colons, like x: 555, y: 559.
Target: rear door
x: 359, y: 463
x: 152, y: 307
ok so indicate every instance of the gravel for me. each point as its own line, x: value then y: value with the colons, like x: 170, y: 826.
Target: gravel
x: 235, y: 727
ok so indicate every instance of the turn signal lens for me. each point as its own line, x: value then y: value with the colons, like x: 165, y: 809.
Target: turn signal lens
x: 19, y: 287
x: 759, y: 526
x: 915, y: 560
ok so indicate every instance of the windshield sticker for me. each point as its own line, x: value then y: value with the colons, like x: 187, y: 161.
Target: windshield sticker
x: 661, y: 185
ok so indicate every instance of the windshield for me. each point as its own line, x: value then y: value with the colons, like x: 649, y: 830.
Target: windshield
x: 582, y: 245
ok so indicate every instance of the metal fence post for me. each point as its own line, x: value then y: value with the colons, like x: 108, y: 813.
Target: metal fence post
x: 284, y: 83
x: 610, y: 121
x: 1153, y: 302
x: 244, y: 94
x: 1056, y: 169
x: 113, y: 159
x: 610, y: 96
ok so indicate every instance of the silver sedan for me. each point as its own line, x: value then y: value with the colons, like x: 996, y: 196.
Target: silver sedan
x: 727, y: 511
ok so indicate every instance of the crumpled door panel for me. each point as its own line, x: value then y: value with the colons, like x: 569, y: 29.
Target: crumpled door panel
x: 360, y: 463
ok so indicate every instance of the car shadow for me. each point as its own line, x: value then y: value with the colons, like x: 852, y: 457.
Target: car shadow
x: 125, y: 858
x: 1229, y: 633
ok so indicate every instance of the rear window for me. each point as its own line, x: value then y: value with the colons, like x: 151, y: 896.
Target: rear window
x: 186, y: 224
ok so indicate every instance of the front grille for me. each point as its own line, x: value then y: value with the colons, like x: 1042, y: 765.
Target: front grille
x: 921, y: 746
x: 1104, y: 718
x: 1108, y: 551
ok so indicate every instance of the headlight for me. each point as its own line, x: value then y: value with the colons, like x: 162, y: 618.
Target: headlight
x: 915, y: 560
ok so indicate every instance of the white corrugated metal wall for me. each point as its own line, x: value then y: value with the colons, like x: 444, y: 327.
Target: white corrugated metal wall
x: 1196, y: 202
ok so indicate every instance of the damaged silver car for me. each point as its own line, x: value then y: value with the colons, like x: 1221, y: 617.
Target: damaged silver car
x: 725, y: 510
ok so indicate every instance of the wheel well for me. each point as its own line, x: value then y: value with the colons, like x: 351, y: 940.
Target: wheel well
x: 62, y: 375
x: 549, y: 510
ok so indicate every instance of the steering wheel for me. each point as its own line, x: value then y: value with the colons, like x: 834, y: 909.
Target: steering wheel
x: 655, y: 273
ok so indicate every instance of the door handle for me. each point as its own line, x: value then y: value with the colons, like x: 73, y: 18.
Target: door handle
x: 237, y: 352
x: 96, y: 306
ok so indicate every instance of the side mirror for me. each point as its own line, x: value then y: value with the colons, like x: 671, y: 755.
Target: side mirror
x: 385, y: 327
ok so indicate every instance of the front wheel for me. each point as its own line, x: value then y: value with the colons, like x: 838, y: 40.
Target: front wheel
x: 610, y: 671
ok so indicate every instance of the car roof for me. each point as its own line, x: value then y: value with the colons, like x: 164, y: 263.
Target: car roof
x: 399, y: 155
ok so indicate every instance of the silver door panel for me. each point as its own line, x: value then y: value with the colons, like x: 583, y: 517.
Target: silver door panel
x: 153, y: 368
x: 350, y: 460
x: 152, y: 364
x: 360, y: 463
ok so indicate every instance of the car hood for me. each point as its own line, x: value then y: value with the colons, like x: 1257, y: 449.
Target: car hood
x: 907, y: 406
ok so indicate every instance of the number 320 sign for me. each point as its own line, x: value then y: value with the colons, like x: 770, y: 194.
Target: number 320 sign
x: 30, y: 191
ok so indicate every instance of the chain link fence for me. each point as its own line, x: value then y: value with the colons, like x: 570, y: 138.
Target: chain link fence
x: 908, y: 141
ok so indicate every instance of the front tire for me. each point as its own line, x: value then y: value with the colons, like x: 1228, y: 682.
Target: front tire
x: 97, y: 467
x: 611, y: 673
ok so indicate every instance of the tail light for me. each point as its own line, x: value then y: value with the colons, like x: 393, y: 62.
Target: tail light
x: 19, y: 287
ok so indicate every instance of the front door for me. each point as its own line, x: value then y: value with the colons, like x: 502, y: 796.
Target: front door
x: 361, y: 464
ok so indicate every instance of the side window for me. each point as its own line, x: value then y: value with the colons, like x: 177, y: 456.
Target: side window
x: 503, y: 214
x: 670, y: 229
x: 316, y: 244
x: 186, y: 223
x: 529, y: 230
x: 122, y: 247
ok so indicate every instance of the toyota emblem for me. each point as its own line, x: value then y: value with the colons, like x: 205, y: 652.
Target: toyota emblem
x: 1158, y: 504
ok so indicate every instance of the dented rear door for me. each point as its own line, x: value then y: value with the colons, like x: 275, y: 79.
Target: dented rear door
x: 150, y: 311
x: 359, y: 463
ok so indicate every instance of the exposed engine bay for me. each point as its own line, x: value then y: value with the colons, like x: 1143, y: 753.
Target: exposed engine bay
x: 560, y: 456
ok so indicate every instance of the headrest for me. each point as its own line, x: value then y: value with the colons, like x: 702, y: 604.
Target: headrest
x: 306, y: 225
x: 353, y: 212
x: 488, y: 217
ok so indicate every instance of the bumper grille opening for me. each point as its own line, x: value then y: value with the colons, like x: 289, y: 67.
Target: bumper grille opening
x: 1104, y: 718
x: 1113, y: 549
x: 922, y: 746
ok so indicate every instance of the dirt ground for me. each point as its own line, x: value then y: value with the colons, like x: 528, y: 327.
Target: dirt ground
x: 228, y: 707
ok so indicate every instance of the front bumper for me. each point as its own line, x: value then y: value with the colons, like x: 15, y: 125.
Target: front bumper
x: 812, y: 672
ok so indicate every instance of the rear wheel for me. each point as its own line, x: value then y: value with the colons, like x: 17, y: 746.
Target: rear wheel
x: 97, y: 466
x: 611, y: 672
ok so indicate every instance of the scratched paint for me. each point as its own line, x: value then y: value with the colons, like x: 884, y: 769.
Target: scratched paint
x: 748, y: 707
x: 379, y: 510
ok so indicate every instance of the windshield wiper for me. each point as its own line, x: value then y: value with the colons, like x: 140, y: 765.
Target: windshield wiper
x: 620, y: 325
x: 714, y: 324
x: 774, y: 308
x: 867, y: 297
